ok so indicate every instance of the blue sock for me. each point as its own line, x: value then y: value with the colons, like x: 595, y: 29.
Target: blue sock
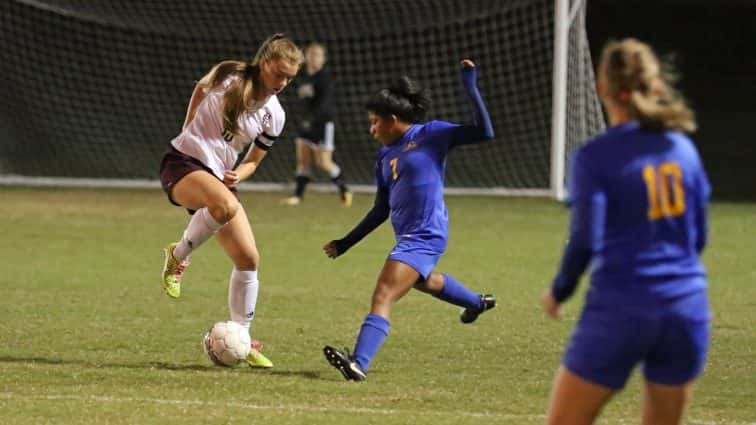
x: 455, y: 293
x: 372, y: 333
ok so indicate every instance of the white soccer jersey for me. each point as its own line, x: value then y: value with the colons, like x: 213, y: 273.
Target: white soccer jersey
x: 204, y: 140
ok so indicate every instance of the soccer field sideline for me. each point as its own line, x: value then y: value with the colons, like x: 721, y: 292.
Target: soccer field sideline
x: 305, y: 408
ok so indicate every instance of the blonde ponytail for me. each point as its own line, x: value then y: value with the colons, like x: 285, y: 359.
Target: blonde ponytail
x: 662, y: 114
x: 240, y: 94
x: 637, y: 79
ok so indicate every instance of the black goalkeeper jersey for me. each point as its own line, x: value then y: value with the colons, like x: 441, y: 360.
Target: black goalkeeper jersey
x: 316, y: 94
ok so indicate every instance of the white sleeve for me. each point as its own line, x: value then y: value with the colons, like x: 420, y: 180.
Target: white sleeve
x: 272, y: 126
x: 232, y: 78
x: 224, y: 85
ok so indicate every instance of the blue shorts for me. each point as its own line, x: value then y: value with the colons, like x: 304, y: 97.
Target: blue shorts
x: 421, y: 255
x: 670, y: 340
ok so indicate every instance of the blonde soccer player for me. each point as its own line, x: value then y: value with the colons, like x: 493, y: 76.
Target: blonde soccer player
x: 638, y: 198
x: 233, y: 119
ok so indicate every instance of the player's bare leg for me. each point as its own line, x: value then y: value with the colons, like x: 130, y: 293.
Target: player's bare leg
x: 395, y: 280
x: 214, y: 205
x: 575, y: 401
x: 238, y: 241
x: 665, y: 404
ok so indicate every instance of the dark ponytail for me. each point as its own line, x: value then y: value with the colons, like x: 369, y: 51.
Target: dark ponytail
x: 405, y: 98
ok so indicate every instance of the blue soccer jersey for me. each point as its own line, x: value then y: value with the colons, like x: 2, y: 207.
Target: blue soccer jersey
x: 409, y: 176
x: 412, y: 171
x: 638, y: 200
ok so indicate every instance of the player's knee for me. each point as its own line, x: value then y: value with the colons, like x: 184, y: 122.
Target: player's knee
x: 433, y: 285
x: 248, y: 261
x: 383, y: 295
x: 423, y: 285
x: 435, y: 282
x: 326, y: 165
x: 224, y: 210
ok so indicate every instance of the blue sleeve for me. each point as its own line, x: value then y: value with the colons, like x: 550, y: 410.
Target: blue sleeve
x: 482, y: 129
x: 374, y: 218
x: 702, y: 220
x: 442, y: 133
x: 587, y: 202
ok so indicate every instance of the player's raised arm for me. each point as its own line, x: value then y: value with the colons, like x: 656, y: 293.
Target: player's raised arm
x: 482, y: 128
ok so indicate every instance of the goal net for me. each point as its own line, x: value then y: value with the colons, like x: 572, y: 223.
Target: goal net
x: 97, y: 90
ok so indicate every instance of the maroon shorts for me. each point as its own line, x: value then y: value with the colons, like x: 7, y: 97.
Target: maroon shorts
x: 174, y: 166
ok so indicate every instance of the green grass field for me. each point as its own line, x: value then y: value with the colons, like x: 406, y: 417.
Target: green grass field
x: 88, y: 337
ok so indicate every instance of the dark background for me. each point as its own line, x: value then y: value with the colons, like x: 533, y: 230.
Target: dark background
x: 97, y: 89
x: 713, y: 43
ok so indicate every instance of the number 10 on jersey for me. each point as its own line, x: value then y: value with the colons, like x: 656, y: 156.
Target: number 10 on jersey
x: 666, y: 196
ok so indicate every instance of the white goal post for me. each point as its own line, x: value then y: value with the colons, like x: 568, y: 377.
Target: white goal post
x: 570, y: 39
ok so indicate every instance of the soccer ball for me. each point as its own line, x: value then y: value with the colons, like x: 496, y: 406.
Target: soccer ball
x: 227, y: 343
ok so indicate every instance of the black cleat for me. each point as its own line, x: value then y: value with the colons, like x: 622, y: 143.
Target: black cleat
x: 344, y: 363
x: 469, y: 315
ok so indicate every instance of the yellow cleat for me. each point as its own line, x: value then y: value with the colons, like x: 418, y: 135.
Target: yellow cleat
x: 172, y: 272
x: 346, y: 199
x: 258, y: 359
x: 293, y: 200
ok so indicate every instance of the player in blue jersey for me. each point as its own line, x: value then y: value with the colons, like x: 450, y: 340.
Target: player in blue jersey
x: 638, y: 195
x: 409, y: 175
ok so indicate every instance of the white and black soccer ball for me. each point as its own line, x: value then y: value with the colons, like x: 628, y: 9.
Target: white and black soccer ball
x: 227, y: 343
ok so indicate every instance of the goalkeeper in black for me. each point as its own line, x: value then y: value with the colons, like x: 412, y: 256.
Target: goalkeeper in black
x: 315, y: 139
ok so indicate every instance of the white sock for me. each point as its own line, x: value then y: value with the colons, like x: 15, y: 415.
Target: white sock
x: 335, y: 171
x: 200, y: 228
x: 242, y: 296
